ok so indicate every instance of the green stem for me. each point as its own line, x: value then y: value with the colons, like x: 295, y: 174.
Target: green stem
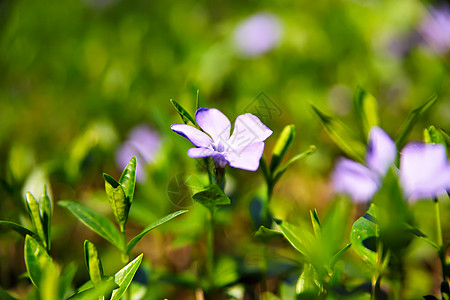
x: 210, y: 248
x: 440, y: 241
x: 125, y: 259
x: 376, y: 279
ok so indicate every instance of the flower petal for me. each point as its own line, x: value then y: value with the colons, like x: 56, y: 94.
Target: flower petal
x: 381, y: 151
x: 201, y: 152
x: 246, y: 158
x: 198, y: 138
x: 213, y: 122
x: 248, y: 129
x: 424, y: 172
x: 354, y: 179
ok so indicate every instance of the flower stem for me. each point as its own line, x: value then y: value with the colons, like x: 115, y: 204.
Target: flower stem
x: 125, y: 260
x: 440, y: 241
x: 210, y: 248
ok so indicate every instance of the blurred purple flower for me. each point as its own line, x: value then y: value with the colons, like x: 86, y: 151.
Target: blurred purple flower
x: 359, y: 181
x: 424, y: 171
x: 143, y: 142
x: 242, y: 149
x: 435, y: 28
x: 258, y: 34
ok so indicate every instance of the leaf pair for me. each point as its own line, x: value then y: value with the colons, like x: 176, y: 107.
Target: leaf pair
x: 120, y: 194
x: 274, y: 171
x: 106, y: 229
x: 212, y: 197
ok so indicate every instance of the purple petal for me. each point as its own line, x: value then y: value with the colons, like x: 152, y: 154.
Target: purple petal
x: 424, y: 172
x: 354, y: 179
x: 146, y: 141
x: 219, y: 158
x: 246, y: 158
x: 248, y: 129
x: 381, y: 152
x: 213, y: 122
x: 198, y: 138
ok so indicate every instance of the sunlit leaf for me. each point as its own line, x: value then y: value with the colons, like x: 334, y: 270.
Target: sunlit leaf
x: 124, y: 277
x: 185, y: 116
x: 18, y: 228
x: 93, y: 263
x: 315, y: 222
x: 212, y: 197
x: 280, y: 171
x: 338, y: 255
x: 49, y: 287
x: 98, y: 223
x: 411, y: 120
x: 302, y: 240
x: 128, y: 179
x: 89, y: 292
x: 367, y: 108
x: 432, y: 135
x: 362, y: 229
x: 342, y: 136
x: 45, y: 206
x: 118, y: 201
x: 36, y: 260
x: 35, y: 216
x: 155, y: 224
x: 65, y: 280
x: 284, y: 141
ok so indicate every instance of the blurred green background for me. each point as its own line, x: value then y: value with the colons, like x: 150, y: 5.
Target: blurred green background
x: 77, y: 75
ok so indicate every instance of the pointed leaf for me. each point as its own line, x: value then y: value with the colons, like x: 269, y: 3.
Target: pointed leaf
x: 155, y: 224
x: 362, y: 229
x: 117, y: 200
x: 128, y: 179
x: 367, y: 108
x: 277, y: 175
x: 420, y: 234
x: 124, y: 277
x: 36, y: 260
x: 45, y: 206
x: 18, y: 228
x: 35, y: 216
x: 284, y: 141
x: 338, y: 255
x: 197, y: 100
x: 266, y: 234
x: 432, y: 135
x: 315, y: 222
x: 185, y: 116
x: 342, y: 136
x: 301, y: 239
x: 212, y: 197
x: 89, y: 292
x: 98, y: 223
x: 93, y: 263
x: 412, y: 119
x: 65, y: 280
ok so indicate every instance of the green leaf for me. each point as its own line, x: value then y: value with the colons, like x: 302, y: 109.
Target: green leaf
x: 128, y: 179
x: 284, y: 141
x: 93, y: 263
x: 185, y: 116
x: 412, y: 119
x: 302, y: 240
x: 342, y: 136
x: 277, y: 175
x: 432, y: 135
x: 266, y: 234
x: 265, y: 169
x: 49, y: 288
x: 367, y: 108
x: 197, y: 100
x: 65, y: 280
x: 212, y: 197
x: 118, y: 201
x: 149, y: 228
x: 35, y: 216
x: 421, y: 235
x: 338, y: 255
x: 124, y: 277
x: 89, y: 292
x: 364, y: 228
x: 315, y: 222
x: 45, y: 206
x: 98, y: 223
x: 18, y: 228
x: 36, y: 260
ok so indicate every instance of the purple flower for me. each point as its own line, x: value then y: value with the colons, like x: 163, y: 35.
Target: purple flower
x: 360, y: 181
x: 258, y: 34
x: 242, y: 149
x: 424, y: 171
x: 143, y: 142
x: 436, y: 29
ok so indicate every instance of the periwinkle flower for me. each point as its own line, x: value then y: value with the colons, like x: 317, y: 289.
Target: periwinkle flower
x: 435, y: 28
x: 359, y: 181
x: 143, y: 142
x: 424, y: 170
x: 258, y: 34
x: 242, y: 149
